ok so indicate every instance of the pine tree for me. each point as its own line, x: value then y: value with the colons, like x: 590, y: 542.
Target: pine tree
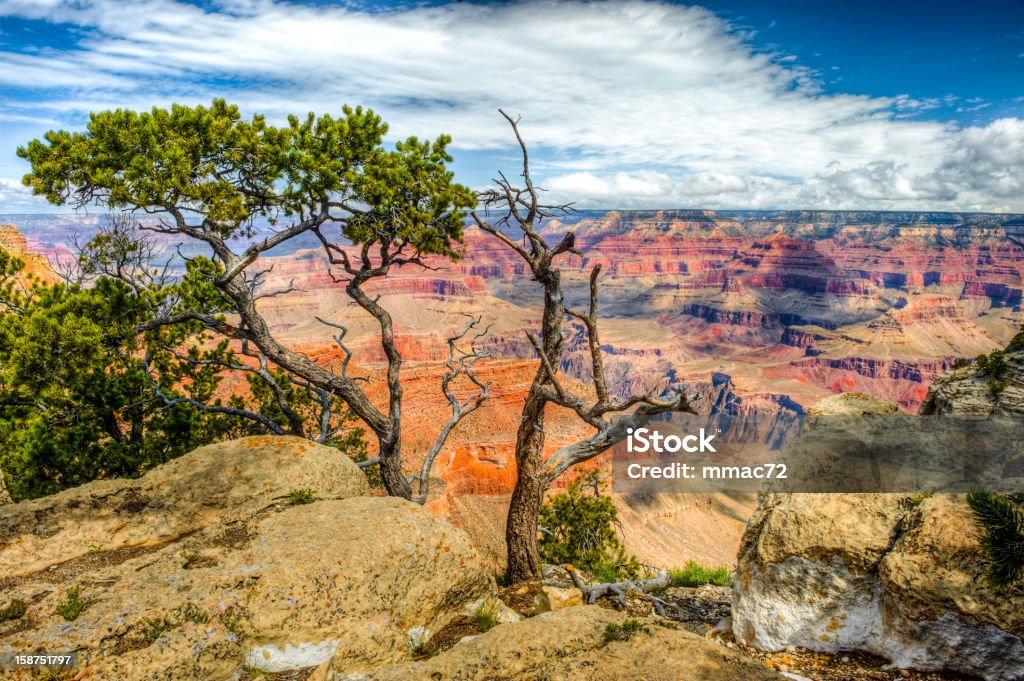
x: 1003, y: 536
x: 578, y: 526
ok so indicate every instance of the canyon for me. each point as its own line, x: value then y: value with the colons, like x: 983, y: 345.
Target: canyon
x: 753, y: 313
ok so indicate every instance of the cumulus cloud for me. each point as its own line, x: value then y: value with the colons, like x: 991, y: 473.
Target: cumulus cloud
x: 625, y: 102
x: 15, y: 197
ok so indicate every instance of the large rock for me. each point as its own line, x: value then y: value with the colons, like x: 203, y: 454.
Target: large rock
x: 897, y: 575
x: 268, y: 585
x: 967, y: 391
x: 213, y: 484
x: 570, y: 644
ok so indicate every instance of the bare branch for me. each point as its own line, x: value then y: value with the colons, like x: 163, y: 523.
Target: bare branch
x: 459, y: 363
x: 637, y: 588
x: 593, y: 337
x: 202, y: 406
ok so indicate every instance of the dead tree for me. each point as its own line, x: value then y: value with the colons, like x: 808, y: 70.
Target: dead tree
x: 521, y: 213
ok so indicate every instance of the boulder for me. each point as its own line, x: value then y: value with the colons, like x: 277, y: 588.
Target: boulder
x: 213, y: 484
x: 269, y: 585
x: 557, y: 598
x: 897, y: 575
x: 571, y: 644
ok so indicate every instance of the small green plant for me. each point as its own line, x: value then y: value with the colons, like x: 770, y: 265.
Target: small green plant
x: 297, y: 497
x: 918, y: 499
x: 190, y: 612
x: 486, y: 616
x: 961, y: 362
x: 255, y: 672
x: 695, y: 574
x: 14, y: 610
x: 992, y: 364
x: 72, y: 605
x: 622, y: 632
x: 189, y: 558
x: 1002, y: 539
x: 579, y: 527
x: 231, y: 619
x: 996, y: 387
x: 150, y: 629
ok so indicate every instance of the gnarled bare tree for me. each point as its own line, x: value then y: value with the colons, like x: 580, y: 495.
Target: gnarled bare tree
x: 521, y: 213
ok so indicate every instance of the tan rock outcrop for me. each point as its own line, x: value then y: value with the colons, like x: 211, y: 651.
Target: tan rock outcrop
x: 247, y: 579
x: 213, y: 484
x: 967, y: 392
x: 898, y: 575
x: 570, y: 644
x: 557, y: 598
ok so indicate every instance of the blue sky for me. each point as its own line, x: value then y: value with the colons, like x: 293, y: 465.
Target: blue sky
x: 834, y: 104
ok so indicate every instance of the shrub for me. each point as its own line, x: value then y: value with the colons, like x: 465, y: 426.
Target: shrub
x: 578, y: 526
x: 622, y: 632
x: 14, y: 610
x: 297, y: 497
x: 190, y: 612
x: 486, y: 616
x: 993, y: 364
x: 694, y: 574
x: 372, y: 473
x: 150, y: 629
x: 72, y: 605
x: 1002, y: 525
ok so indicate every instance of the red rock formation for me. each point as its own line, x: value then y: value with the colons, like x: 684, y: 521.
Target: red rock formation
x: 36, y: 265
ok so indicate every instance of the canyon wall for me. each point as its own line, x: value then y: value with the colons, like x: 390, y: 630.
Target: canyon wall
x: 744, y: 310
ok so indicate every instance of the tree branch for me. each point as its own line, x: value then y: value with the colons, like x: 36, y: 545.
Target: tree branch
x: 460, y: 363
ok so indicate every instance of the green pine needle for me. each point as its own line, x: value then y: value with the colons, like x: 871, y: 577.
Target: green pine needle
x: 1002, y: 539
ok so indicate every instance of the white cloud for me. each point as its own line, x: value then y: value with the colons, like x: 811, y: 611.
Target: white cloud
x: 624, y: 102
x: 15, y: 197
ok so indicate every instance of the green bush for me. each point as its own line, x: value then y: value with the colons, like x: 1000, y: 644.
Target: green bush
x: 76, y: 400
x: 992, y: 364
x: 72, y: 605
x: 578, y: 526
x: 297, y: 497
x: 622, y: 632
x: 486, y: 616
x: 694, y: 574
x: 1002, y: 539
x: 15, y: 609
x: 996, y: 387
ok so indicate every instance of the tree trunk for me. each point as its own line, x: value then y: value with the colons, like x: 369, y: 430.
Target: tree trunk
x: 531, y: 479
x: 524, y: 508
x: 395, y: 481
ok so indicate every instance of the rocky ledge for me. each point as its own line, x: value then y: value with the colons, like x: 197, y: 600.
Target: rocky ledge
x: 266, y: 558
x: 900, y: 576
